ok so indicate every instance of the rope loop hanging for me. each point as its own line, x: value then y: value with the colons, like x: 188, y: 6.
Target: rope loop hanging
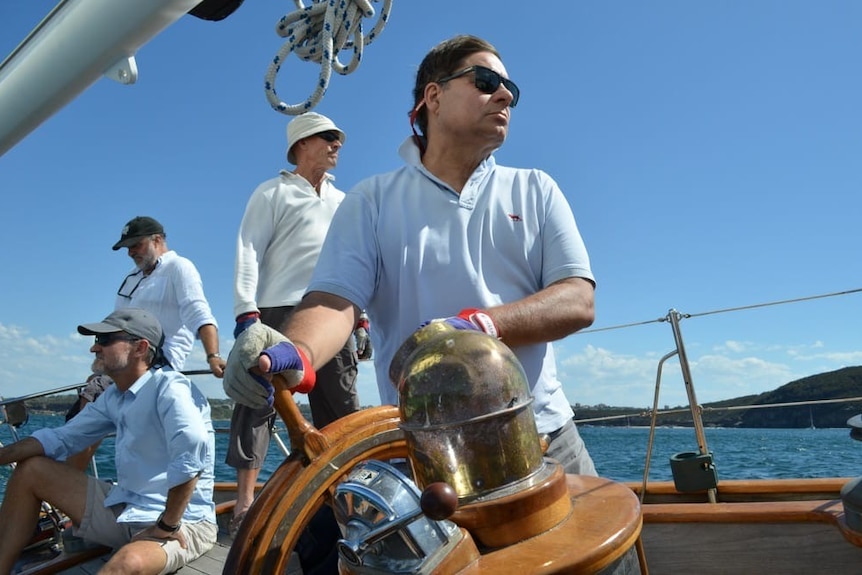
x: 319, y: 33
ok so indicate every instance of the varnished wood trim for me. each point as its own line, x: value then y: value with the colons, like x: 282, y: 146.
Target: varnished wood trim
x: 819, y: 511
x: 760, y: 486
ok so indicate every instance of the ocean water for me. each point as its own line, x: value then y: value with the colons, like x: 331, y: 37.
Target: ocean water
x: 738, y: 453
x: 620, y: 452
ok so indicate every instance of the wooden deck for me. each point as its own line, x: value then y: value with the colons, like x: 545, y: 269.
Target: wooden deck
x: 209, y: 564
x: 212, y: 563
x: 778, y: 526
x: 89, y: 561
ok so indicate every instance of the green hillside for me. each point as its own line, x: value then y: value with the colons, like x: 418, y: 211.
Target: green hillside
x: 842, y: 383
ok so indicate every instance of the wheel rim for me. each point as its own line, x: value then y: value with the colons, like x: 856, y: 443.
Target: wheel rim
x: 298, y: 488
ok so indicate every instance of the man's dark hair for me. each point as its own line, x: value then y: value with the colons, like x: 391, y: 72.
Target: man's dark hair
x: 444, y: 59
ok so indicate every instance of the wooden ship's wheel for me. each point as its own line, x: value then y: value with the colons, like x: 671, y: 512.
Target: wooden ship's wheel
x: 602, y: 525
x: 509, y: 509
x: 306, y: 480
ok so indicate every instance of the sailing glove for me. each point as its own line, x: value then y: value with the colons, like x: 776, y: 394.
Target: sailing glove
x: 471, y: 319
x: 292, y: 364
x: 364, y: 349
x: 256, y: 391
x: 244, y: 320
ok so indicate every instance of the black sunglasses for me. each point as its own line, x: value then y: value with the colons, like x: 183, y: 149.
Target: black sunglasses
x: 106, y: 339
x: 487, y: 81
x: 329, y: 136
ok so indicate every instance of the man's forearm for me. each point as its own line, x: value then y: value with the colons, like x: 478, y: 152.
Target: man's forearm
x: 320, y: 325
x: 551, y: 314
x: 209, y: 338
x: 178, y: 499
x: 20, y: 450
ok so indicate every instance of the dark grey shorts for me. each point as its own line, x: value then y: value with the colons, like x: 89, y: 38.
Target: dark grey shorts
x: 334, y: 396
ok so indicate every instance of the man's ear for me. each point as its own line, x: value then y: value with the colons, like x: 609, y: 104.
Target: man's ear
x: 142, y: 348
x: 432, y: 94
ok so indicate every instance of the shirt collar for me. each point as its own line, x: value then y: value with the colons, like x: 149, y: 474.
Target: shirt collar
x: 410, y: 153
x: 141, y: 382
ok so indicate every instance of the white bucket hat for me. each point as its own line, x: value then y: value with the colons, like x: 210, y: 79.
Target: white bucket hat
x: 306, y: 125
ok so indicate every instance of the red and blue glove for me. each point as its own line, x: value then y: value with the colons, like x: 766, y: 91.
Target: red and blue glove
x: 244, y: 320
x: 243, y: 381
x: 471, y: 319
x: 292, y: 364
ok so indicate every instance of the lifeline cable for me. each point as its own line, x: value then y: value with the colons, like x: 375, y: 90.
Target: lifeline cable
x: 318, y: 33
x: 724, y: 310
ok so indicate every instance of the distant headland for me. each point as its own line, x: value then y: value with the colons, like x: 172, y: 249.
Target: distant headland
x: 817, y: 396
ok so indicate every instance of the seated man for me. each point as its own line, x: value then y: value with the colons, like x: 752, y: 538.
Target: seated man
x: 160, y: 514
x: 96, y: 384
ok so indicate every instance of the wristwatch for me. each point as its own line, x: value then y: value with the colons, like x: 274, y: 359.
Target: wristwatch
x: 160, y: 523
x: 212, y: 355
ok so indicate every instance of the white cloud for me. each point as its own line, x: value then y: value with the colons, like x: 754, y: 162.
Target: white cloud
x: 725, y: 377
x: 733, y: 346
x: 600, y: 375
x: 31, y: 363
x: 596, y: 375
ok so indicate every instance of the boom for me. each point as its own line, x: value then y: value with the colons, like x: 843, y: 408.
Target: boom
x: 73, y: 46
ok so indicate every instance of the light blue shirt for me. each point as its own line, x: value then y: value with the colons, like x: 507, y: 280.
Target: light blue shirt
x: 407, y: 248
x: 164, y: 438
x: 174, y: 293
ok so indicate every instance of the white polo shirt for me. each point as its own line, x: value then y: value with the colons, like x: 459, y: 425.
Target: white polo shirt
x: 407, y: 248
x: 282, y: 230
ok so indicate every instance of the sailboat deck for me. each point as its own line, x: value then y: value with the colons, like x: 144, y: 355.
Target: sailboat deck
x: 209, y: 564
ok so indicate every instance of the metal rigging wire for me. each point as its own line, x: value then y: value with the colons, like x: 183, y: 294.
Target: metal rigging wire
x: 725, y: 310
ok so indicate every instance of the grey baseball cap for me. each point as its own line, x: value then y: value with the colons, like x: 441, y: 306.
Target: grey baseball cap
x: 133, y: 321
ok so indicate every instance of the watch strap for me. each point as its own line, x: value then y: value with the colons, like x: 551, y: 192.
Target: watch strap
x: 160, y: 523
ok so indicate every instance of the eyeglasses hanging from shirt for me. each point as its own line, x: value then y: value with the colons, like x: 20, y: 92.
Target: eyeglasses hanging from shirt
x: 130, y: 284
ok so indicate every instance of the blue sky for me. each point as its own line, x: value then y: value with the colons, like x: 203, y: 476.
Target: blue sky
x: 710, y: 152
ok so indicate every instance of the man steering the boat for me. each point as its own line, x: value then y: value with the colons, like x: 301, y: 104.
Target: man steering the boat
x: 451, y: 230
x: 160, y: 513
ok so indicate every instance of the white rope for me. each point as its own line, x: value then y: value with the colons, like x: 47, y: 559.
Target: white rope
x: 318, y: 33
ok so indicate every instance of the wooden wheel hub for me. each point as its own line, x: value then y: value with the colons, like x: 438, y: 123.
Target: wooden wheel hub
x: 512, y: 517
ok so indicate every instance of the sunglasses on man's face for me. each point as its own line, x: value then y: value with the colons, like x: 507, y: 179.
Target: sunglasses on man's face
x: 487, y: 81
x: 106, y: 339
x: 328, y: 136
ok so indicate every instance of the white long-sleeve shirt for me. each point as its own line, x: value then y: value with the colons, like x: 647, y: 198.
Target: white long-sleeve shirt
x: 174, y: 293
x: 279, y: 241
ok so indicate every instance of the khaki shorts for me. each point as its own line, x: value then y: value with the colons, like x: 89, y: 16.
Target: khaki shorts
x: 100, y: 525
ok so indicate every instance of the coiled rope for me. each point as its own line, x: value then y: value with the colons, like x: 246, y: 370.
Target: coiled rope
x: 319, y: 33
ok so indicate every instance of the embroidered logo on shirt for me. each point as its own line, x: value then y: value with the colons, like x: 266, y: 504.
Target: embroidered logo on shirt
x: 514, y: 217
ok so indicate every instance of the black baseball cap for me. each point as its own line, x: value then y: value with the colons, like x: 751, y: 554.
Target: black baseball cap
x: 137, y: 228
